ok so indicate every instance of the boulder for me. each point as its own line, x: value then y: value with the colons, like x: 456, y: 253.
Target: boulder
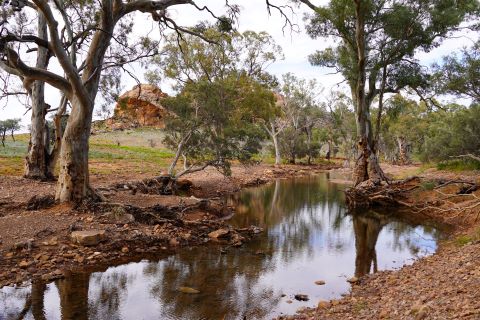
x: 218, y: 233
x: 88, y: 238
x: 139, y: 107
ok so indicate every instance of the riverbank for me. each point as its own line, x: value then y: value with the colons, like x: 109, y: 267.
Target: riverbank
x: 442, y: 286
x: 40, y: 240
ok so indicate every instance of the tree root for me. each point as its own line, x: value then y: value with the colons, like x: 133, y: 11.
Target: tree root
x: 371, y: 194
x: 161, y: 185
x: 40, y: 202
x: 448, y: 207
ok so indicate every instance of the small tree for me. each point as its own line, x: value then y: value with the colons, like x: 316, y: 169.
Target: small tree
x: 224, y: 95
x: 211, y: 124
x: 9, y: 126
x: 13, y: 125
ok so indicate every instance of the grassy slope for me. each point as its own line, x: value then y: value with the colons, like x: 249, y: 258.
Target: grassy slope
x: 138, y: 150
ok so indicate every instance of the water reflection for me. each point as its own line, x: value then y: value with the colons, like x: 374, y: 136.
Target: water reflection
x: 308, y: 236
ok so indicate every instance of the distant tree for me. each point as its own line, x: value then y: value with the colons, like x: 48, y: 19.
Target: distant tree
x: 302, y: 112
x: 11, y: 126
x: 451, y: 132
x: 339, y: 130
x: 3, y: 131
x: 274, y: 122
x: 403, y: 130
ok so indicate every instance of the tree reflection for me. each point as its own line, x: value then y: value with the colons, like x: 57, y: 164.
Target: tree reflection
x: 367, y: 227
x: 73, y: 292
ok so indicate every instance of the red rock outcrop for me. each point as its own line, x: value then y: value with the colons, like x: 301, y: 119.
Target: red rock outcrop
x: 139, y: 107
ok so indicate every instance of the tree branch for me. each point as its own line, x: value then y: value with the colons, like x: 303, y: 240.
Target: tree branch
x: 15, y: 65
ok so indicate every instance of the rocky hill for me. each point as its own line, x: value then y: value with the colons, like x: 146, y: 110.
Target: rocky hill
x: 139, y: 107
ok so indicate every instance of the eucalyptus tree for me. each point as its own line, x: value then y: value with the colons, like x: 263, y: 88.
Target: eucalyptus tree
x: 460, y: 74
x: 339, y: 130
x: 9, y: 126
x: 224, y: 92
x: 91, y: 27
x: 274, y: 122
x: 375, y: 48
x: 302, y: 112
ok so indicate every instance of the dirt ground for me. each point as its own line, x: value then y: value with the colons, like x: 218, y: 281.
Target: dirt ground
x: 36, y: 243
x: 445, y: 285
x: 35, y: 235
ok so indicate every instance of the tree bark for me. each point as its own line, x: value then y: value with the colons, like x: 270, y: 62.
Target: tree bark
x: 36, y: 159
x: 403, y: 156
x: 366, y: 232
x: 73, y: 181
x: 178, y: 154
x: 278, y: 157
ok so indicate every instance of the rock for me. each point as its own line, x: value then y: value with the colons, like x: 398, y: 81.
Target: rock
x: 24, y: 264
x: 353, y: 280
x: 88, y: 238
x: 174, y: 242
x: 117, y: 217
x: 184, y: 184
x: 218, y: 233
x: 302, y: 309
x: 422, y: 313
x: 320, y: 282
x: 301, y: 297
x: 419, y: 310
x: 125, y: 250
x: 140, y: 106
x: 323, y: 304
x: 289, y: 301
x: 188, y: 290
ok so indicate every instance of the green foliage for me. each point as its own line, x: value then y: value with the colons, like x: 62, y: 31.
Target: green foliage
x: 460, y: 74
x: 432, y: 135
x: 9, y: 126
x: 459, y: 165
x: 224, y: 94
x: 304, y: 116
x: 394, y: 30
x: 427, y: 185
x: 451, y: 133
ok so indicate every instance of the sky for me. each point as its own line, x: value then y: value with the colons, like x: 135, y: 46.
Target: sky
x: 254, y: 16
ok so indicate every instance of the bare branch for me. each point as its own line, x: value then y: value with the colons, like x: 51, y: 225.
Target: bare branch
x: 15, y: 64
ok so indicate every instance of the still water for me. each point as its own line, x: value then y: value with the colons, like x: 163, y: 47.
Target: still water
x: 308, y: 236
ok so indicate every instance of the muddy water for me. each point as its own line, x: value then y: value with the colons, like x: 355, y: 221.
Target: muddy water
x: 309, y: 236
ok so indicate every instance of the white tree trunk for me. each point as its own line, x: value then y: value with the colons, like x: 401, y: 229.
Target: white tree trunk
x: 36, y: 161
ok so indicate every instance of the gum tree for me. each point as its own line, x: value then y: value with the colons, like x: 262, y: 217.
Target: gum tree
x: 111, y: 21
x: 223, y: 93
x: 375, y: 52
